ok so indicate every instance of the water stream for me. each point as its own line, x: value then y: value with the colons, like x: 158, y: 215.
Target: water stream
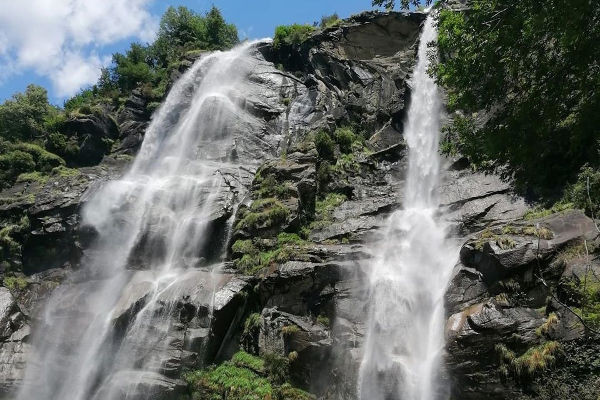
x: 153, y: 220
x: 408, y: 278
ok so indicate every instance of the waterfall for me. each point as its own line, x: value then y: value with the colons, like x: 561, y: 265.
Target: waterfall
x: 405, y: 339
x: 155, y: 220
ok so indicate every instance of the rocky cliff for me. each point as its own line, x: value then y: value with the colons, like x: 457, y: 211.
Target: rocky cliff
x: 295, y: 218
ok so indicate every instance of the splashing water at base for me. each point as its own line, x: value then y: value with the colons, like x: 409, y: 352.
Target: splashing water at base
x: 405, y: 339
x: 155, y: 218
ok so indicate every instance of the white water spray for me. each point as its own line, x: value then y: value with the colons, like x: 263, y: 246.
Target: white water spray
x: 155, y: 218
x: 405, y: 338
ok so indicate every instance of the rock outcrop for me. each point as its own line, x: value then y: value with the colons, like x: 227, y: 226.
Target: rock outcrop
x: 296, y: 230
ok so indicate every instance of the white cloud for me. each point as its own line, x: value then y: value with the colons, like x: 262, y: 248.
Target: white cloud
x: 61, y: 39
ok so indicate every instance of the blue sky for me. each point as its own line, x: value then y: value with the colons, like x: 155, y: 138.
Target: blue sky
x: 62, y: 56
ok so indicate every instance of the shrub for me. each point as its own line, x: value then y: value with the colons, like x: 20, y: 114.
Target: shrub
x: 16, y: 162
x: 328, y: 21
x: 289, y: 238
x: 577, y: 193
x: 35, y: 176
x: 231, y: 381
x: 345, y: 137
x: 264, y: 213
x: 324, y: 145
x: 325, y: 207
x: 244, y: 247
x: 277, y: 368
x: 15, y: 282
x: 252, y: 323
x: 289, y: 330
x: 324, y: 173
x: 245, y: 360
x: 323, y: 320
x: 44, y: 160
x: 291, y: 34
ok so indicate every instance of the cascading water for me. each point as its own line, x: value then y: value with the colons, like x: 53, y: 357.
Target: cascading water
x: 155, y: 219
x: 408, y: 278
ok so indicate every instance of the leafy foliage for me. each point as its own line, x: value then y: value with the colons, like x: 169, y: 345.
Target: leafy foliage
x: 291, y: 34
x: 22, y: 117
x: 585, y: 192
x: 533, y: 71
x: 327, y: 21
x: 245, y: 377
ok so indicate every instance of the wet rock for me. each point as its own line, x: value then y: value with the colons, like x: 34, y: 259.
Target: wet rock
x: 465, y: 289
x: 283, y: 333
x: 139, y: 385
x: 472, y: 337
x: 519, y: 245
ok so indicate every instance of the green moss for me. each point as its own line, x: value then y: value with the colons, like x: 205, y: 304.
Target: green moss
x: 36, y: 176
x: 15, y: 282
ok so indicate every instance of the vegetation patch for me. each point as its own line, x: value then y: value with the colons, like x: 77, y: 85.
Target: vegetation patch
x: 294, y: 34
x: 533, y: 362
x: 585, y: 293
x: 245, y: 377
x: 15, y: 283
x: 263, y: 213
x: 324, y: 209
x: 550, y: 322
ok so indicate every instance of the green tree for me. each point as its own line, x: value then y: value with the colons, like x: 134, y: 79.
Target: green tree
x: 179, y: 27
x: 532, y: 70
x: 133, y: 68
x: 219, y: 34
x: 22, y: 116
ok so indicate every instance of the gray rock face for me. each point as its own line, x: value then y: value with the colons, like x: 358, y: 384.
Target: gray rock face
x: 94, y: 132
x: 314, y: 303
x: 509, y: 273
x: 184, y: 325
x: 149, y: 385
